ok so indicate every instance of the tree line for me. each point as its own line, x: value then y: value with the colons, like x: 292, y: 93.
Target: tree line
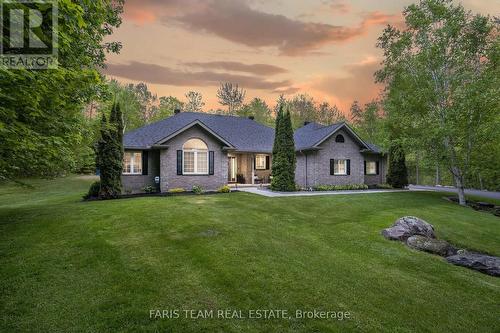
x: 439, y: 109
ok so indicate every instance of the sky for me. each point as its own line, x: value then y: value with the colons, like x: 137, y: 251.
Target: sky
x: 325, y: 48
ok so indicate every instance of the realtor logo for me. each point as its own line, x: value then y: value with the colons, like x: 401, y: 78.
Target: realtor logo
x: 28, y: 34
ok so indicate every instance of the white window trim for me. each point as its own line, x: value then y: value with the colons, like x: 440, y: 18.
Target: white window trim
x: 132, y: 160
x: 345, y: 167
x: 195, y: 161
x: 375, y: 169
x: 264, y: 157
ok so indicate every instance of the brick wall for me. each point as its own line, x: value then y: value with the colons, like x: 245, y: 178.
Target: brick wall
x: 168, y: 163
x: 136, y: 183
x: 318, y: 164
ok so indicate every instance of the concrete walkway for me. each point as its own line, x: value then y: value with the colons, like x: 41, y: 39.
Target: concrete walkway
x: 267, y: 193
x: 486, y: 194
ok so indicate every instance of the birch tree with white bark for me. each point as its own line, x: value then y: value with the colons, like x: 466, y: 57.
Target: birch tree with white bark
x: 442, y: 82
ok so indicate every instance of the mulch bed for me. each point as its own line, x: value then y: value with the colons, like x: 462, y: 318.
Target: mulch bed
x: 479, y: 205
x: 157, y: 194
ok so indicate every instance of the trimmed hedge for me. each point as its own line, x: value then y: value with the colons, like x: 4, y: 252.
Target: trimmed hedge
x: 340, y: 187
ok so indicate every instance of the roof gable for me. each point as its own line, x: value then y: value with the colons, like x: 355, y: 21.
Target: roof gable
x: 190, y: 125
x: 312, y: 135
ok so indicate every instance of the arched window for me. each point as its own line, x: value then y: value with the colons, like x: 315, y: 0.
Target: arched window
x: 195, y: 159
x: 339, y: 138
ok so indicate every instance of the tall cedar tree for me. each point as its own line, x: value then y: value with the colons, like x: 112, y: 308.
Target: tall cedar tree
x: 283, y: 168
x: 397, y: 176
x: 109, y: 157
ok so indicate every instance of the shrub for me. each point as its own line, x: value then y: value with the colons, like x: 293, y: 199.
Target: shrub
x: 149, y: 189
x: 93, y: 190
x: 397, y: 175
x: 224, y: 189
x: 109, y: 154
x: 176, y: 190
x: 385, y: 186
x: 197, y: 189
x: 284, y: 159
x: 340, y: 187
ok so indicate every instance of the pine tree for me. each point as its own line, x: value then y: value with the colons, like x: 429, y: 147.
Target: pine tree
x: 283, y: 168
x: 289, y: 150
x: 109, y: 156
x: 397, y: 175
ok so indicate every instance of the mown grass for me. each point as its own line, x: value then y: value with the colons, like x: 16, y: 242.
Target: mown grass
x: 73, y: 266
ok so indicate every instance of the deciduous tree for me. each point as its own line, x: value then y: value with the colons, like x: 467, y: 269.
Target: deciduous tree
x: 232, y: 96
x: 442, y: 81
x: 194, y: 102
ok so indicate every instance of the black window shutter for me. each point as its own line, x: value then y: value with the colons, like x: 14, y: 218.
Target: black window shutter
x: 332, y: 167
x: 254, y: 162
x: 267, y: 162
x: 348, y: 167
x: 365, y: 167
x: 179, y: 162
x: 211, y: 162
x: 144, y: 162
x: 378, y: 163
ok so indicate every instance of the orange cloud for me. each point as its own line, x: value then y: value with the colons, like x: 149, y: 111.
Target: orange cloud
x: 156, y: 74
x: 358, y: 84
x: 236, y: 21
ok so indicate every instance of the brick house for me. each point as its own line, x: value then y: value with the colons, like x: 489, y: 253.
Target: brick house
x: 211, y: 150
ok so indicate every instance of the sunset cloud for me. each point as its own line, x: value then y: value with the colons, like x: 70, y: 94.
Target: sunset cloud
x: 156, y: 74
x: 338, y: 6
x: 358, y: 84
x: 233, y: 66
x: 236, y: 21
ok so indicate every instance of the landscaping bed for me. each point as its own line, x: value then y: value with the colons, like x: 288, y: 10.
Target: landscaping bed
x: 157, y: 194
x: 479, y: 205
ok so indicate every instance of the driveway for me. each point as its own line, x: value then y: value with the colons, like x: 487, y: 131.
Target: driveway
x: 486, y: 194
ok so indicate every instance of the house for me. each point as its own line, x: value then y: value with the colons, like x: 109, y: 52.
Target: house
x: 211, y: 150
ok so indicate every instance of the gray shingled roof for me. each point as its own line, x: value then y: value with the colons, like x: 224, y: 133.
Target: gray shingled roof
x: 374, y: 148
x: 309, y: 135
x: 244, y: 134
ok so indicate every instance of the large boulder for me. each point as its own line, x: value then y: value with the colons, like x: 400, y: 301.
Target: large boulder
x: 408, y: 226
x: 431, y: 245
x: 479, y: 262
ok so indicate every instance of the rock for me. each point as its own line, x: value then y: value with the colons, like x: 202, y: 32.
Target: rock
x: 496, y: 211
x: 485, y: 204
x: 479, y: 262
x: 408, y: 226
x: 431, y: 245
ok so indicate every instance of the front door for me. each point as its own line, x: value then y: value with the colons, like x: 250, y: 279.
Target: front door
x: 233, y: 167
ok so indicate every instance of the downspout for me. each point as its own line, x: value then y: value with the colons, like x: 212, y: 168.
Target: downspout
x: 307, y: 183
x: 305, y: 154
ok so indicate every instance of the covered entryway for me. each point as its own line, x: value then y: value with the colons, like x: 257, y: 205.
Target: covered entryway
x: 249, y: 168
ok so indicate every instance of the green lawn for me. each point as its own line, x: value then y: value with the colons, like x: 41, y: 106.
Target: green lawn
x: 68, y: 265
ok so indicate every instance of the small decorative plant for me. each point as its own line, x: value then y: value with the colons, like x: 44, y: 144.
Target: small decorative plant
x: 176, y: 190
x: 197, y: 189
x: 224, y: 189
x: 149, y: 189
